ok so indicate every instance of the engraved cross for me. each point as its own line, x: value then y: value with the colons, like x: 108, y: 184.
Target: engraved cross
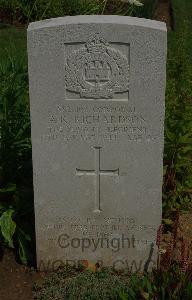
x: 97, y: 172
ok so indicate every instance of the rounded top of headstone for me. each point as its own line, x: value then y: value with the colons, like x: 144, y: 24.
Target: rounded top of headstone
x: 85, y: 19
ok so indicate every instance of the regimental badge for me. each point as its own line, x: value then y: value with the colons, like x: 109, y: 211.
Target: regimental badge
x: 97, y: 70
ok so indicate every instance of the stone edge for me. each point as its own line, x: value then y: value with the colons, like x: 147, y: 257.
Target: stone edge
x: 103, y: 19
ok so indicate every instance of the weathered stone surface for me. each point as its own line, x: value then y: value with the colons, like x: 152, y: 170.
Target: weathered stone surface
x: 97, y: 86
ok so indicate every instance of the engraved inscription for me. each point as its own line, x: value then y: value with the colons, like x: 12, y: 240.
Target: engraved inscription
x: 97, y: 172
x: 98, y: 124
x: 89, y: 226
x: 97, y: 71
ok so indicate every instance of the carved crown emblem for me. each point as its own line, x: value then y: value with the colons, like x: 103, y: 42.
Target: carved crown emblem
x: 97, y: 70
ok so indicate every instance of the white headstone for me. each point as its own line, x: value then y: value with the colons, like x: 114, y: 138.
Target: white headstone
x: 97, y: 86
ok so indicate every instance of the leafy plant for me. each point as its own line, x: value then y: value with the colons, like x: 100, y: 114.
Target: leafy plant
x: 7, y: 226
x: 16, y: 209
x: 26, y: 11
x: 69, y: 283
x: 178, y: 126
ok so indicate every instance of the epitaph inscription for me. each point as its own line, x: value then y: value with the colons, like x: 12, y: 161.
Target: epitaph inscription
x: 97, y: 86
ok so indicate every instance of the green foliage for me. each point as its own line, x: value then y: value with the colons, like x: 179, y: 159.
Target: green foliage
x: 178, y: 125
x: 69, y: 283
x: 7, y: 226
x: 173, y: 284
x: 147, y: 10
x: 118, y: 7
x: 16, y: 209
x: 41, y: 9
x: 33, y: 10
x: 140, y: 287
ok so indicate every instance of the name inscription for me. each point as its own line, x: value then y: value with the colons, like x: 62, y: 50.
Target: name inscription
x: 82, y: 123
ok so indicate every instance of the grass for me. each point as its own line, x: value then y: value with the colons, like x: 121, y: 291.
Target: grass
x: 178, y: 125
x: 68, y: 283
x: 24, y: 11
x: 16, y: 194
x: 13, y: 44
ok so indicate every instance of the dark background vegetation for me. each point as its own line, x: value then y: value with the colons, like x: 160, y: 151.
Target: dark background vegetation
x: 25, y: 11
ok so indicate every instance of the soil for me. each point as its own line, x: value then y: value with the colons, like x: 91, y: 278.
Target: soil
x: 6, y: 18
x: 163, y: 13
x: 16, y: 280
x: 183, y: 236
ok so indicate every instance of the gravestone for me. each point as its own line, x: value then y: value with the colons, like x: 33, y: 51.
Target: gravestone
x: 97, y: 86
